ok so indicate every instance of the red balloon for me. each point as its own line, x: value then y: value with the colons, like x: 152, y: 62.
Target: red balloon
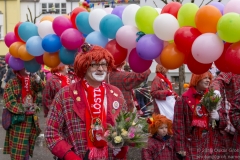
x: 196, y: 67
x: 232, y: 58
x: 119, y: 53
x: 220, y: 63
x: 172, y: 8
x: 74, y: 14
x: 16, y: 31
x: 184, y: 38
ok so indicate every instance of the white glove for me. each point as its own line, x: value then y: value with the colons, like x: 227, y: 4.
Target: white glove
x: 214, y: 115
x: 116, y: 151
x: 217, y: 93
x: 37, y: 78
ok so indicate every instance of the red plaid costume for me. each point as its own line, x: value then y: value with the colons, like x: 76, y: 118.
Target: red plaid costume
x: 20, y: 137
x: 126, y: 81
x: 66, y: 121
x: 158, y: 149
x: 186, y: 136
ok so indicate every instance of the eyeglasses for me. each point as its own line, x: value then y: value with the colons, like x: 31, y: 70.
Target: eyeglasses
x: 97, y: 65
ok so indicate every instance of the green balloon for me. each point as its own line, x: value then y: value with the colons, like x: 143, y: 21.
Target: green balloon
x: 186, y: 15
x: 228, y: 27
x: 144, y: 19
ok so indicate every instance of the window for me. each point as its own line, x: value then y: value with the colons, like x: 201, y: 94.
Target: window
x: 175, y: 81
x: 1, y: 32
x: 54, y: 8
x: 1, y: 26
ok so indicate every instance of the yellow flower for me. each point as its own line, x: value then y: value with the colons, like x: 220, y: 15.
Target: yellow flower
x: 124, y: 133
x: 123, y: 130
x: 117, y: 139
x: 133, y: 123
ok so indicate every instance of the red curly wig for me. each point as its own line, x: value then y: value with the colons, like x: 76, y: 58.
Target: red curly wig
x: 96, y: 53
x: 58, y: 69
x: 196, y: 78
x: 157, y: 121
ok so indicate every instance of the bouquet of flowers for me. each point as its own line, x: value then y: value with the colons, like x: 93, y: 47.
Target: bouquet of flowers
x: 129, y: 130
x: 210, y: 101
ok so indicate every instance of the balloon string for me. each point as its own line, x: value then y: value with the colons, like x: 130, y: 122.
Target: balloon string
x: 140, y: 34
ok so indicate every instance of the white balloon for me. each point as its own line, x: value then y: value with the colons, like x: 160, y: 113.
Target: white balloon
x: 129, y: 13
x: 165, y: 26
x: 45, y: 28
x: 108, y: 10
x: 158, y: 10
x: 95, y: 17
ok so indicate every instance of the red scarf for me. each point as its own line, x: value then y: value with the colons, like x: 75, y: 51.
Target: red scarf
x: 64, y: 79
x: 165, y: 80
x: 95, y: 121
x: 26, y: 90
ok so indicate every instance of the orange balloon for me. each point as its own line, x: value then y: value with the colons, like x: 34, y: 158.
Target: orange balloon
x: 206, y: 19
x: 67, y: 16
x: 51, y: 60
x: 13, y: 49
x: 171, y: 57
x: 47, y: 18
x: 23, y: 53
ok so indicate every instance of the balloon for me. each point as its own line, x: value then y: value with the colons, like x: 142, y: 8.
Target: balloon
x: 95, y: 18
x: 207, y: 48
x: 109, y: 25
x: 45, y: 28
x: 158, y: 59
x: 126, y: 36
x: 82, y: 23
x: 228, y: 27
x: 60, y: 24
x: 16, y: 31
x: 13, y: 49
x: 118, y: 11
x: 171, y: 57
x: 165, y: 26
x: 72, y: 39
x: 15, y: 63
x: 196, y: 67
x: 10, y: 38
x: 138, y: 64
x: 51, y: 60
x: 128, y: 15
x: 232, y: 6
x: 7, y: 56
x: 32, y: 66
x: 233, y: 58
x: 108, y: 10
x: 47, y: 18
x: 27, y: 30
x: 23, y: 54
x: 67, y: 56
x: 207, y: 18
x: 74, y: 14
x: 186, y: 15
x: 172, y: 8
x: 221, y: 63
x: 184, y: 38
x: 149, y: 47
x: 119, y: 54
x: 65, y: 15
x: 218, y: 5
x: 96, y: 38
x: 51, y: 43
x: 144, y: 19
x: 39, y: 59
x: 34, y: 46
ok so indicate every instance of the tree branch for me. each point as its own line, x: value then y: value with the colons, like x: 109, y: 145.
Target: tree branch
x: 37, y: 17
x: 164, y: 1
x: 30, y: 14
x: 209, y: 2
x: 192, y: 1
x: 27, y: 17
x: 155, y: 4
x: 201, y: 3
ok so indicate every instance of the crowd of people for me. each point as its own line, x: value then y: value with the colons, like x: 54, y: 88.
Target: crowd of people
x: 80, y: 100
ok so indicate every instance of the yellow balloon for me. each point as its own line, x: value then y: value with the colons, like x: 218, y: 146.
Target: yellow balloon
x: 186, y: 15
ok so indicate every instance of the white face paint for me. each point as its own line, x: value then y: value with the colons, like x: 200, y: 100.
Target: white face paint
x: 99, y: 76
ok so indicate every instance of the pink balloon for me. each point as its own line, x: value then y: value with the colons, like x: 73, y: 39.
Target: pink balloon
x: 10, y: 38
x: 232, y: 6
x: 7, y: 56
x: 108, y: 10
x: 72, y: 39
x: 138, y: 64
x: 207, y: 48
x: 60, y: 24
x: 39, y: 59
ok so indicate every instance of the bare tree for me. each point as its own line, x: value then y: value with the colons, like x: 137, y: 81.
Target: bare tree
x: 31, y: 19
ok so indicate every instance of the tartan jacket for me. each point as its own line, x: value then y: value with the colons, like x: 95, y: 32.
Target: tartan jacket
x: 126, y: 81
x: 66, y: 121
x: 12, y: 98
x: 158, y: 149
x: 186, y: 136
x: 159, y: 90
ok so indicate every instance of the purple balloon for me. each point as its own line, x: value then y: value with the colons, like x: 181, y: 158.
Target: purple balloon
x: 218, y: 5
x: 138, y: 64
x: 16, y: 63
x: 10, y: 38
x: 149, y: 47
x: 60, y: 24
x: 39, y: 59
x: 118, y: 11
x: 72, y: 39
x: 7, y: 56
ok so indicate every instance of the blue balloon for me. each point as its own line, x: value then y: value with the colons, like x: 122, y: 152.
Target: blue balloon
x: 82, y: 23
x: 34, y: 46
x: 67, y: 56
x: 32, y: 66
x: 96, y: 38
x: 51, y: 43
x: 27, y: 30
